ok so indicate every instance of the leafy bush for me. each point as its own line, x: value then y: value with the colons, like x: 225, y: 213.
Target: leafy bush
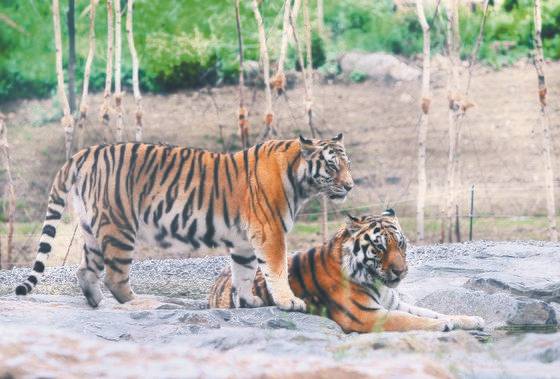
x: 192, y: 43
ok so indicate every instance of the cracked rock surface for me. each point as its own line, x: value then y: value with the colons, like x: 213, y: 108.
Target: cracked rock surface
x: 169, y: 332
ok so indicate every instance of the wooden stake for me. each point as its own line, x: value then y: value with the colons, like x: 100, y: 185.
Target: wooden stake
x: 118, y: 54
x: 67, y: 120
x: 423, y: 127
x: 87, y: 73
x: 243, y: 113
x: 105, y: 107
x: 135, y: 68
x: 265, y: 62
x: 543, y: 119
x: 10, y: 192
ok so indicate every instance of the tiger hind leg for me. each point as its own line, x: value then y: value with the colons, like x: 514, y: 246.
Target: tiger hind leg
x: 89, y: 272
x: 243, y: 269
x: 118, y: 258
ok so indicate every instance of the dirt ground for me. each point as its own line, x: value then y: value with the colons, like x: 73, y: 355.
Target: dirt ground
x: 500, y: 147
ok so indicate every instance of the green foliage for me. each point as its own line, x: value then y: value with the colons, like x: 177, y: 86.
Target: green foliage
x: 190, y: 43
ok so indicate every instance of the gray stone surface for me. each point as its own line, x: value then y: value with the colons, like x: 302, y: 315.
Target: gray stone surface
x: 169, y: 332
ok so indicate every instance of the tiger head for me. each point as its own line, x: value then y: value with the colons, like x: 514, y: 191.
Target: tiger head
x: 375, y: 250
x: 328, y: 167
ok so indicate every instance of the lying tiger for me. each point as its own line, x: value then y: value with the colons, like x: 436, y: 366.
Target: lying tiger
x: 174, y: 196
x: 352, y: 280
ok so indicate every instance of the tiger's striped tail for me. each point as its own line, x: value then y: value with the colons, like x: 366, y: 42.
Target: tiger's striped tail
x: 62, y: 184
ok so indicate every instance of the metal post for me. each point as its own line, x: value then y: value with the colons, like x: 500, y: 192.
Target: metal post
x: 457, y: 224
x: 471, y: 215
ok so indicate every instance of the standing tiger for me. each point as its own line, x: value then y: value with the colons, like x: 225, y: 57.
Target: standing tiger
x: 352, y: 279
x: 171, y: 196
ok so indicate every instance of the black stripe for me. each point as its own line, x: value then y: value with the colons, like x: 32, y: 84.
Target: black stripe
x: 44, y: 247
x: 49, y: 230
x: 241, y: 260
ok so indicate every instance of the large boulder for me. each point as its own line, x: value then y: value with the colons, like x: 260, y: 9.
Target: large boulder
x: 378, y: 66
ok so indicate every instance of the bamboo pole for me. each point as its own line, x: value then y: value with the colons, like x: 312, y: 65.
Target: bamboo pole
x: 67, y: 120
x: 543, y: 119
x: 10, y: 190
x: 118, y: 95
x: 424, y: 119
x: 242, y: 113
x: 279, y: 80
x: 265, y: 62
x: 135, y: 68
x: 106, y: 106
x: 87, y: 73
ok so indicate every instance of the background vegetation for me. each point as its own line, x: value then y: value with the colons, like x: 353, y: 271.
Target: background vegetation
x: 193, y: 43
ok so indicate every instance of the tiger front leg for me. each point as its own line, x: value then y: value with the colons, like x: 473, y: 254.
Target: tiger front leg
x: 398, y: 321
x: 272, y: 259
x: 243, y: 270
x: 457, y: 321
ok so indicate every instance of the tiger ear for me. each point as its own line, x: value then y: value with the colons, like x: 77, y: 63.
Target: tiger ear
x: 353, y: 224
x: 338, y: 138
x: 389, y: 212
x: 307, y: 146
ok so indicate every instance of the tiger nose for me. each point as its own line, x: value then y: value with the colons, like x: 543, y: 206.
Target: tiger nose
x: 348, y: 186
x: 398, y: 271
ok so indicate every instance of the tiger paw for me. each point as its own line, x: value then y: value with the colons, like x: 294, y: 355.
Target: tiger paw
x: 294, y: 304
x: 468, y: 322
x: 442, y: 325
x: 247, y: 302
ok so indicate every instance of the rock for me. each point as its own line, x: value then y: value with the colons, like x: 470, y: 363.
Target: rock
x: 533, y: 313
x: 378, y: 66
x: 171, y: 333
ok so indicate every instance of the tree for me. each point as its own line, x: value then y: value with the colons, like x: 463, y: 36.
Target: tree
x: 243, y: 113
x: 423, y: 126
x: 543, y: 120
x: 135, y: 68
x: 265, y: 63
x: 67, y: 120
x: 118, y: 95
x: 105, y: 107
x: 10, y: 192
x: 454, y: 112
x: 87, y: 72
x: 71, y: 55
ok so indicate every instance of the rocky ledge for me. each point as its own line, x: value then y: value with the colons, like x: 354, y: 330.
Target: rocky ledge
x: 168, y: 332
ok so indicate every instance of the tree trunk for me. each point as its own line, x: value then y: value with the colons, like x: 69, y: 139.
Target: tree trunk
x: 320, y: 19
x: 106, y: 106
x: 10, y: 193
x: 243, y: 113
x: 71, y: 55
x: 265, y: 62
x: 87, y: 73
x: 423, y: 127
x: 135, y: 68
x: 454, y: 101
x: 543, y: 118
x: 279, y: 81
x: 118, y: 54
x: 67, y: 120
